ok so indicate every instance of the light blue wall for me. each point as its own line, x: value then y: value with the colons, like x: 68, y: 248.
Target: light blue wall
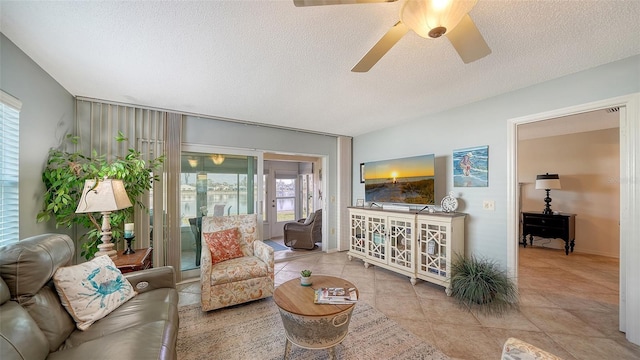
x: 485, y: 123
x: 203, y: 131
x: 47, y: 115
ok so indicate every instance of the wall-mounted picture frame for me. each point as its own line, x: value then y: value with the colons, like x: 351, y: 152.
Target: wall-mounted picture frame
x: 360, y: 203
x: 471, y: 167
x: 361, y: 173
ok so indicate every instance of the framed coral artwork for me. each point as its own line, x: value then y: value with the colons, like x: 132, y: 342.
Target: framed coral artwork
x: 471, y: 167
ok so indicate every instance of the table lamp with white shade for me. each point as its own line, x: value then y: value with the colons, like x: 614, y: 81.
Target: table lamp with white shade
x: 104, y: 196
x: 547, y: 182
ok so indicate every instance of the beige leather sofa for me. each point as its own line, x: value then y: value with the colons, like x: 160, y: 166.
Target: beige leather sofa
x: 34, y: 325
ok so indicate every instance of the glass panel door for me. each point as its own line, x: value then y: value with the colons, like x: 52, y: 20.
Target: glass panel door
x: 306, y: 194
x: 285, y: 199
x: 213, y: 184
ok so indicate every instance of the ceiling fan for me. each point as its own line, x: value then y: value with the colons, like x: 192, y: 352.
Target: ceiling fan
x: 428, y: 18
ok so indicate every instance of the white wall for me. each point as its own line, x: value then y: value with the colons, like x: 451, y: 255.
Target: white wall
x: 47, y: 115
x: 485, y: 123
x: 203, y: 131
x: 588, y: 164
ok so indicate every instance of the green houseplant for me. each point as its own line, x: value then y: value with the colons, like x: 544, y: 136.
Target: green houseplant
x: 480, y: 284
x: 305, y: 277
x: 64, y: 176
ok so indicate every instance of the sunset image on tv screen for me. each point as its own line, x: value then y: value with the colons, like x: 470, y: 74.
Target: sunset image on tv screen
x: 407, y: 180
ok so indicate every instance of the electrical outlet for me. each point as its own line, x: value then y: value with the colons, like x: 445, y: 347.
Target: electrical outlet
x: 489, y: 205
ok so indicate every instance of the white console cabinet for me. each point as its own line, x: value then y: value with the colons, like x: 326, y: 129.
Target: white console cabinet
x: 416, y: 245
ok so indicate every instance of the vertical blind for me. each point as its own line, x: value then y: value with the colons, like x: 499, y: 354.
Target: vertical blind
x: 9, y: 158
x: 98, y: 123
x: 147, y: 130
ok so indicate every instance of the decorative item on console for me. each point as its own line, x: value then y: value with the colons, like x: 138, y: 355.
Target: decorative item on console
x: 548, y: 182
x: 449, y: 203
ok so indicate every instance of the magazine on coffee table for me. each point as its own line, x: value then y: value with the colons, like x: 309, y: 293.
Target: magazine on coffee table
x: 335, y: 296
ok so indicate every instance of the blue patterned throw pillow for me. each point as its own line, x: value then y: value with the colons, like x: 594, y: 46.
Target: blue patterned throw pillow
x: 92, y: 290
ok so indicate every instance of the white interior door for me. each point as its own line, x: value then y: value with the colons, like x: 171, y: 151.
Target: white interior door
x: 283, y: 203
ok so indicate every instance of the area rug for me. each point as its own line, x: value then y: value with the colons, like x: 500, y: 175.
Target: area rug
x: 254, y: 331
x: 276, y: 246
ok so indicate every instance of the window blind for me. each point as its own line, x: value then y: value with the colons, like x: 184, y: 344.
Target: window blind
x: 9, y: 158
x: 97, y: 124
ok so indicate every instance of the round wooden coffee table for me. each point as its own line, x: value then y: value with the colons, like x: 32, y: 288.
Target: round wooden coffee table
x: 309, y: 325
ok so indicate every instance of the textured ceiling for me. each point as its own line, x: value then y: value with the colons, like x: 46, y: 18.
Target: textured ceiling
x: 271, y: 62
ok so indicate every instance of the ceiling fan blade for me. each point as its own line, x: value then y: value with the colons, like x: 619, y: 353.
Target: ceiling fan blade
x: 335, y: 2
x: 381, y: 47
x: 468, y: 41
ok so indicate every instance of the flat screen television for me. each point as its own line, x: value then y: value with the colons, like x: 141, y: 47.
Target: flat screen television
x: 401, y: 181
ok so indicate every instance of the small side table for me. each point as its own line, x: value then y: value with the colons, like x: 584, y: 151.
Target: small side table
x: 309, y: 325
x: 139, y: 260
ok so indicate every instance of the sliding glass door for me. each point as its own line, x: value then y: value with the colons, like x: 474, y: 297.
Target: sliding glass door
x: 214, y: 183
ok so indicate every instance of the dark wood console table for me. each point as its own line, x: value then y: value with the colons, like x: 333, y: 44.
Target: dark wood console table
x: 139, y: 260
x: 561, y: 226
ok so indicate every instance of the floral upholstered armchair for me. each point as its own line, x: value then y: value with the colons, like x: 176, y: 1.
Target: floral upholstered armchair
x: 235, y: 266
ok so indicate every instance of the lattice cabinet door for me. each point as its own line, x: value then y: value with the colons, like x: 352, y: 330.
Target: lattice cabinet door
x: 401, y: 239
x: 439, y: 237
x: 433, y: 249
x: 358, y: 238
x: 377, y: 237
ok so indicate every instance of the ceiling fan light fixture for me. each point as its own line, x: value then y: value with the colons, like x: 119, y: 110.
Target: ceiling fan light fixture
x: 433, y: 18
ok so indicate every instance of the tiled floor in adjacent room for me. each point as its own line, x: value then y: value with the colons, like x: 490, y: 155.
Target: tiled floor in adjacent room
x: 568, y: 305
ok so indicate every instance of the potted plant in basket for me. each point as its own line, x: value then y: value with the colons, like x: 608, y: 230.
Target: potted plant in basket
x: 305, y: 277
x: 64, y: 176
x: 480, y: 284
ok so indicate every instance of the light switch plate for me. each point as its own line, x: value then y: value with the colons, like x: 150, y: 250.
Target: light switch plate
x: 489, y: 205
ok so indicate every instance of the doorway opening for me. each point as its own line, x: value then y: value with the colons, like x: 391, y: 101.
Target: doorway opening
x: 629, y: 114
x: 292, y: 194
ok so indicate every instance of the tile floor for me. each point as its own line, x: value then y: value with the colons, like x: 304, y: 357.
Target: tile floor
x: 289, y: 254
x: 568, y: 305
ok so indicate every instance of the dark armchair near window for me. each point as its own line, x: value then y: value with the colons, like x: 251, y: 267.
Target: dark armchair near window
x: 196, y: 228
x: 304, y: 233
